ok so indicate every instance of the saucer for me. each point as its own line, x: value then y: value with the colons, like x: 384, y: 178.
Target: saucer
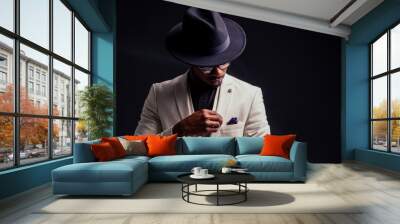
x: 208, y: 176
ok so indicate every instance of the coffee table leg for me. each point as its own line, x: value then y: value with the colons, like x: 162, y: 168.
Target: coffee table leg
x: 245, y: 193
x: 217, y: 194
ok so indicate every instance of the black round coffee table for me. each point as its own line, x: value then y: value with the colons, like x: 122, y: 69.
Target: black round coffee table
x: 238, y: 179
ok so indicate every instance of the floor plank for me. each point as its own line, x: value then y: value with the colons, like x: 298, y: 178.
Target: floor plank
x: 376, y: 189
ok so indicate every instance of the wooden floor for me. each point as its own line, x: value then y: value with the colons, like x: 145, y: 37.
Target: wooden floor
x: 353, y: 182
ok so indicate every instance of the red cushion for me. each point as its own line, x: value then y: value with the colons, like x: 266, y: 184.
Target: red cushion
x: 103, y: 152
x: 161, y: 145
x: 135, y: 137
x: 277, y: 145
x: 116, y: 145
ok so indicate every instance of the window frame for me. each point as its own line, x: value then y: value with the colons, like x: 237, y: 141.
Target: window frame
x: 388, y: 74
x: 16, y: 114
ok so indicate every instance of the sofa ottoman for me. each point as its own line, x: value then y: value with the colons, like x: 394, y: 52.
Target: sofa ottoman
x: 119, y: 177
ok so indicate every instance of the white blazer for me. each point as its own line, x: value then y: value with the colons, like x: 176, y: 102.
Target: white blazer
x: 169, y: 102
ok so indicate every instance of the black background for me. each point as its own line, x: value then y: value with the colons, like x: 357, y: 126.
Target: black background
x: 298, y: 71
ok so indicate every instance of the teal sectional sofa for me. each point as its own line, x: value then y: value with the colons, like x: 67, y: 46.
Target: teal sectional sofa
x: 125, y: 176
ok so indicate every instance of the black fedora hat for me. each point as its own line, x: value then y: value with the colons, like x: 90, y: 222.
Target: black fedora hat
x: 205, y: 38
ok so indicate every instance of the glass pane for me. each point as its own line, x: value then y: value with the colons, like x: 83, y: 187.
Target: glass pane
x: 33, y: 139
x: 6, y: 142
x: 62, y: 89
x: 395, y: 136
x: 379, y: 97
x: 81, y: 81
x: 395, y: 47
x: 81, y: 131
x: 395, y: 94
x: 62, y: 29
x: 62, y: 138
x: 379, y: 135
x: 379, y: 55
x: 6, y: 74
x: 34, y: 96
x: 7, y: 14
x: 81, y: 45
x: 35, y: 21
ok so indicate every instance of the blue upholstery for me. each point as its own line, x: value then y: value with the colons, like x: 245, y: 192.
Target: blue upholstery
x: 257, y: 163
x: 249, y: 145
x: 119, y: 177
x: 184, y: 163
x: 207, y: 145
x: 126, y: 175
x: 298, y: 155
x: 83, y: 152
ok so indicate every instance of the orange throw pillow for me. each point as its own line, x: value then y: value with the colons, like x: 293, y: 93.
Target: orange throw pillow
x: 116, y: 145
x: 277, y: 145
x: 103, y: 152
x: 161, y: 145
x: 135, y: 137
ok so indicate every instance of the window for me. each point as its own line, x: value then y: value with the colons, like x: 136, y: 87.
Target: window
x: 47, y: 74
x: 38, y: 73
x: 37, y: 89
x: 3, y: 72
x: 30, y: 87
x: 385, y: 91
x: 30, y: 72
x: 44, y: 91
x: 3, y: 78
x: 3, y: 61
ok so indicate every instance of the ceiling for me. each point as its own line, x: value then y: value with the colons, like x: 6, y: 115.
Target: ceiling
x: 333, y: 17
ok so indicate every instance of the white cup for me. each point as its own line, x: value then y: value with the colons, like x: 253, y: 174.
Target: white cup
x: 226, y: 170
x: 203, y: 172
x: 196, y: 170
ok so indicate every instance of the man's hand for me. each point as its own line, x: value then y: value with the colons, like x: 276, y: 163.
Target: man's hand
x: 200, y: 123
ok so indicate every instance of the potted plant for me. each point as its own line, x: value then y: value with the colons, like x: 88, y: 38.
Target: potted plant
x: 96, y: 103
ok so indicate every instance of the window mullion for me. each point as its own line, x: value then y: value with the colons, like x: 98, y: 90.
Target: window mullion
x: 16, y: 70
x: 50, y: 81
x: 73, y: 82
x: 389, y: 106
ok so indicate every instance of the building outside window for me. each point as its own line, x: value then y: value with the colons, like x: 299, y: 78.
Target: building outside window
x: 385, y: 91
x: 59, y: 127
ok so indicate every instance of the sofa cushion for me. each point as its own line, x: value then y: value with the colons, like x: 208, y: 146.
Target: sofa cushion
x: 207, y: 145
x: 185, y: 163
x: 111, y: 171
x: 103, y: 152
x: 257, y: 163
x: 249, y: 145
x: 277, y: 145
x: 161, y: 145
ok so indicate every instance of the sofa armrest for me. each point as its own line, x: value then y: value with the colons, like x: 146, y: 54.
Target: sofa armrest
x: 83, y: 152
x: 298, y: 155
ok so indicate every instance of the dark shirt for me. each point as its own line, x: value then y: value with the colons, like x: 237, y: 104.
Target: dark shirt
x: 202, y: 94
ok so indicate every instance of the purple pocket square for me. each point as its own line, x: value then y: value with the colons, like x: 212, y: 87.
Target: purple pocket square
x: 233, y: 120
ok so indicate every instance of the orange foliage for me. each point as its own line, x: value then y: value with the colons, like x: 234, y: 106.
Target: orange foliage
x: 33, y: 130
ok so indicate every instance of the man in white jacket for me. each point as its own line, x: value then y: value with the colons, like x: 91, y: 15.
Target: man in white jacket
x: 205, y: 100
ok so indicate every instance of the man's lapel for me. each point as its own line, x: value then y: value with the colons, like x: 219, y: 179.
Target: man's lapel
x: 223, y: 97
x: 182, y: 97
